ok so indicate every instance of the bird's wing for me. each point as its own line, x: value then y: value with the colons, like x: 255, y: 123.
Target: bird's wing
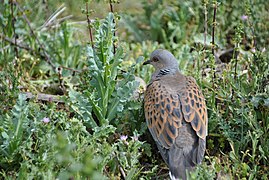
x: 194, y: 107
x: 163, y: 114
x: 164, y: 111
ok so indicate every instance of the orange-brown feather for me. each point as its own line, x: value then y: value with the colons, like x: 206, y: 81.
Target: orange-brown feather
x: 165, y: 111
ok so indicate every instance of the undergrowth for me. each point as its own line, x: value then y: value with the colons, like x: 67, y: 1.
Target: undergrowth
x: 73, y: 110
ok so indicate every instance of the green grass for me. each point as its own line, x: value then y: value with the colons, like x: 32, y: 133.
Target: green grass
x: 95, y: 127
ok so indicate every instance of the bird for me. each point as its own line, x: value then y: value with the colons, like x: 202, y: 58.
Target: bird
x: 176, y: 114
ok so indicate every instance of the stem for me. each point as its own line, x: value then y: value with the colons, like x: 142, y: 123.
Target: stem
x: 213, y: 42
x: 13, y: 27
x: 32, y: 51
x: 89, y: 24
x: 252, y: 28
x: 112, y: 11
x: 235, y: 67
x: 213, y: 29
x: 12, y: 42
x: 46, y: 56
x: 205, y: 34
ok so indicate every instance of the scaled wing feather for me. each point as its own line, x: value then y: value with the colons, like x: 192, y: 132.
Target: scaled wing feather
x: 163, y: 114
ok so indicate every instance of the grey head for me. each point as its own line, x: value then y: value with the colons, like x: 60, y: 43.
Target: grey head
x: 162, y: 60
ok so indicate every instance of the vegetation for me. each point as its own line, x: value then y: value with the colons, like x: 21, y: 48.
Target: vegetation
x: 72, y: 96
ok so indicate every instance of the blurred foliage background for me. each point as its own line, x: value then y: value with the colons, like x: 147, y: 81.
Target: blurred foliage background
x: 72, y: 83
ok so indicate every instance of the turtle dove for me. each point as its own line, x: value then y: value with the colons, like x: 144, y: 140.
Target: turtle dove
x: 176, y: 114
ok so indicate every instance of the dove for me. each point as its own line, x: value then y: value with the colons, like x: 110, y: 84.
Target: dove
x: 176, y: 115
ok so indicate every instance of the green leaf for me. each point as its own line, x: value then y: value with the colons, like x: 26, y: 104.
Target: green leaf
x: 82, y: 106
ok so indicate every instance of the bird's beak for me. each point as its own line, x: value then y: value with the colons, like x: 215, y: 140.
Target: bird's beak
x: 147, y: 62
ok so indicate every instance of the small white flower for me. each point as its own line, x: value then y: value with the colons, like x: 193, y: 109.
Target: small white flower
x: 244, y: 17
x: 123, y: 137
x: 46, y: 120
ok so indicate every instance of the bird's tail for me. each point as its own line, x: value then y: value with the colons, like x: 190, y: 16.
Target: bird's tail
x: 180, y: 161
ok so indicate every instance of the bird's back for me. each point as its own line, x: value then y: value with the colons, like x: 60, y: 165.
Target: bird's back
x: 171, y: 107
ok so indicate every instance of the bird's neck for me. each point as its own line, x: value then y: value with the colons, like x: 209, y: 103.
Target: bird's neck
x: 164, y: 74
x: 166, y: 71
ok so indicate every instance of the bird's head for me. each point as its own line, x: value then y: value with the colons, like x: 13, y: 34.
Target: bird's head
x: 162, y: 59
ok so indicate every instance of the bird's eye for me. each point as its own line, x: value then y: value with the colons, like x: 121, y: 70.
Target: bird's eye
x: 155, y: 59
